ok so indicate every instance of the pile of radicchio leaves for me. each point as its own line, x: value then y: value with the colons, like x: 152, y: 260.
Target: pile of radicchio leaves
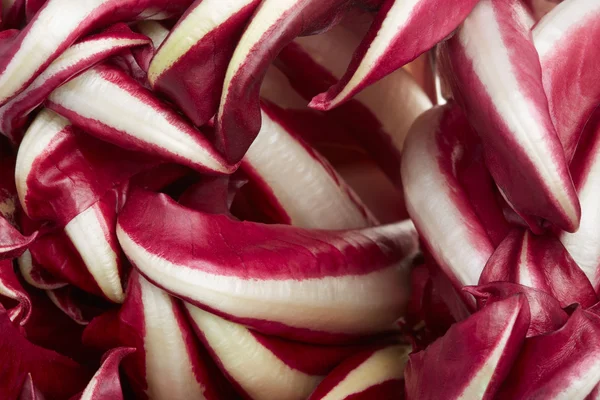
x: 299, y: 199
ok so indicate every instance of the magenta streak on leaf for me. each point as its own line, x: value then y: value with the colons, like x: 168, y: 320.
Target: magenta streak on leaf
x: 56, y: 376
x: 253, y: 376
x: 275, y: 24
x: 401, y: 31
x: 169, y: 364
x: 584, y: 245
x: 109, y: 104
x: 106, y: 383
x: 472, y: 359
x: 298, y: 181
x: 540, y: 262
x: 29, y: 391
x: 73, y: 60
x: 36, y: 275
x: 436, y: 201
x: 190, y: 66
x: 298, y: 283
x: 566, y: 40
x: 11, y: 288
x: 33, y: 50
x: 562, y: 364
x: 357, y: 377
x: 496, y: 77
x: 546, y: 312
x: 379, y: 118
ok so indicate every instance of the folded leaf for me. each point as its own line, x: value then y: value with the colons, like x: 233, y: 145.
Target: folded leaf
x: 274, y: 24
x: 495, y: 74
x: 309, y: 285
x: 540, y: 262
x: 299, y: 185
x: 11, y: 288
x: 436, y: 201
x: 379, y: 117
x: 190, y: 66
x: 168, y: 362
x: 584, y: 245
x: 546, y: 312
x: 106, y: 383
x: 33, y: 49
x: 559, y: 365
x: 395, y: 38
x: 473, y: 358
x: 73, y: 60
x: 112, y: 106
x: 36, y: 275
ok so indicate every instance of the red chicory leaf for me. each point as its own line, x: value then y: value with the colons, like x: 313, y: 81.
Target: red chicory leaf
x: 33, y: 49
x: 274, y: 24
x: 401, y: 31
x: 540, y: 262
x: 474, y: 357
x: 177, y: 368
x: 73, y: 60
x: 373, y: 374
x: 495, y: 74
x: 584, y: 245
x: 560, y: 365
x: 109, y: 104
x: 106, y: 383
x: 439, y: 206
x: 293, y: 278
x: 297, y: 182
x: 546, y: 312
x: 299, y: 367
x: 56, y: 376
x: 566, y: 41
x: 190, y: 66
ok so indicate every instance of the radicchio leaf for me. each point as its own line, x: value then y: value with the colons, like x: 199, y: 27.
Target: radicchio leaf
x: 109, y: 104
x: 274, y: 24
x: 300, y: 185
x: 560, y: 365
x: 566, y: 41
x: 190, y: 66
x: 296, y: 283
x: 168, y: 363
x: 396, y: 37
x: 33, y: 49
x: 106, y: 383
x: 540, y: 262
x: 73, y: 60
x: 11, y: 288
x: 299, y: 367
x: 490, y: 340
x: 439, y: 206
x: 379, y: 117
x: 546, y: 312
x: 584, y: 245
x: 495, y: 75
x: 374, y: 374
